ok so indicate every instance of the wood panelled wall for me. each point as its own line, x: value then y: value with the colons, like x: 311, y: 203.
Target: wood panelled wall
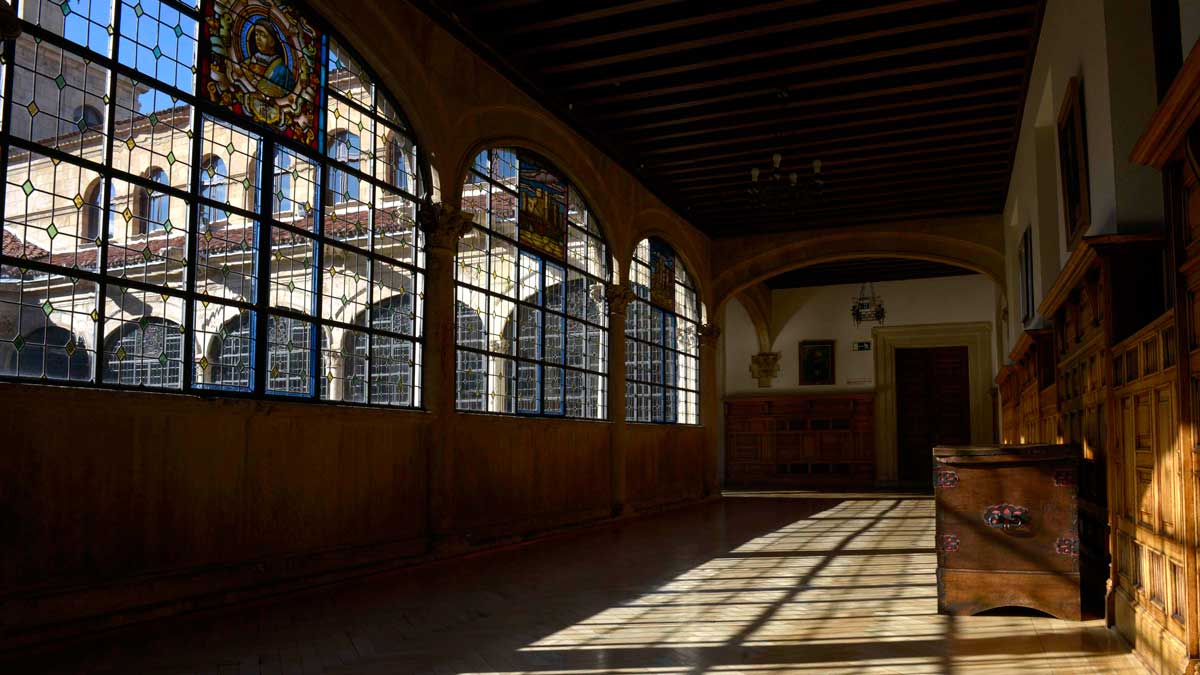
x: 1125, y: 312
x: 116, y: 506
x: 800, y: 441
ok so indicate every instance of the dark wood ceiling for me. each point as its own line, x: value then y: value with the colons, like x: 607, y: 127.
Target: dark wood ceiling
x: 863, y: 270
x: 913, y: 106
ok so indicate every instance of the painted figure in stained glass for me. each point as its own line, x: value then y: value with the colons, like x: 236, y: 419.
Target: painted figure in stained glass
x: 662, y: 274
x: 543, y: 208
x: 264, y: 63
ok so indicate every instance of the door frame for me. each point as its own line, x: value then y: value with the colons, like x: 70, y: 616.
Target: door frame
x: 975, y: 336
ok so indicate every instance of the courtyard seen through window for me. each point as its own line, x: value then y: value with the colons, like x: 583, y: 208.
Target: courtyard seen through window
x: 531, y: 314
x: 165, y: 222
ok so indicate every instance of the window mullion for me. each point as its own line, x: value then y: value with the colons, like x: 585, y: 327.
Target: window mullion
x: 263, y: 278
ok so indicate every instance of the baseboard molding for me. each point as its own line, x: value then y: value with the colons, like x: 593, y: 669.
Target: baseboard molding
x: 1161, y: 652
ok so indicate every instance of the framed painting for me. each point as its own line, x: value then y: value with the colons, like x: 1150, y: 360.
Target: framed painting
x: 816, y: 362
x: 1073, y: 163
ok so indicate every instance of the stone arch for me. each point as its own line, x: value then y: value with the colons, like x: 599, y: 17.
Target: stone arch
x: 784, y: 257
x: 404, y: 75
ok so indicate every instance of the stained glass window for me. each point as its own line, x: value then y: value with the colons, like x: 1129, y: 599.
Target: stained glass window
x: 264, y: 63
x: 167, y: 221
x: 662, y: 346
x: 531, y: 315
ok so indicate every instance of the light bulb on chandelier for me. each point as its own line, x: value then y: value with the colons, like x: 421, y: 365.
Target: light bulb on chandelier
x: 773, y: 192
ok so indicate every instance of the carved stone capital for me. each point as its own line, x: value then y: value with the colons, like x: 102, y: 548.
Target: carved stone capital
x: 443, y: 225
x: 764, y: 367
x: 618, y: 297
x: 709, y: 333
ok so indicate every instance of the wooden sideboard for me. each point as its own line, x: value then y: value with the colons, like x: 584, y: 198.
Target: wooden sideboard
x: 800, y: 441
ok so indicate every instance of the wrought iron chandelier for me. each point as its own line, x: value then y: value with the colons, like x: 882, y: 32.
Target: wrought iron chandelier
x: 778, y: 192
x: 868, y: 306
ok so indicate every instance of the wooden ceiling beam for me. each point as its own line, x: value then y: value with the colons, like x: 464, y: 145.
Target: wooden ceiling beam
x: 820, y: 150
x: 907, y: 89
x: 749, y: 34
x: 918, y: 155
x: 742, y: 140
x: 594, y: 15
x: 687, y: 22
x: 583, y: 84
x: 865, y: 184
x: 856, y: 199
x: 849, y: 217
x: 776, y: 73
x: 825, y: 114
x: 938, y: 166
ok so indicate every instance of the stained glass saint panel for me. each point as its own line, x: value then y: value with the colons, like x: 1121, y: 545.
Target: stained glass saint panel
x: 264, y: 64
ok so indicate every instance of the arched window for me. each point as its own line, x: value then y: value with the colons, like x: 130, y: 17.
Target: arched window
x: 214, y: 185
x: 154, y: 205
x: 238, y: 143
x: 346, y: 148
x: 384, y: 363
x: 87, y: 117
x: 471, y: 367
x: 94, y: 213
x: 662, y: 347
x: 289, y: 356
x: 53, y: 353
x: 232, y: 353
x: 534, y: 269
x: 147, y: 352
x: 399, y: 161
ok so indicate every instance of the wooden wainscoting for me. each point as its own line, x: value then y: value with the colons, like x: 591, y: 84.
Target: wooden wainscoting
x: 800, y: 441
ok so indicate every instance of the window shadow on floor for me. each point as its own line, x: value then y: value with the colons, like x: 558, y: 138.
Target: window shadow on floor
x: 750, y: 584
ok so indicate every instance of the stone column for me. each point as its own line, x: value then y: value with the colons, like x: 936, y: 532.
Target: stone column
x: 710, y: 407
x: 442, y: 226
x: 618, y: 297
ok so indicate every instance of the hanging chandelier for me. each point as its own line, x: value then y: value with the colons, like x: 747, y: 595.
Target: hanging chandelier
x: 778, y: 192
x: 868, y: 306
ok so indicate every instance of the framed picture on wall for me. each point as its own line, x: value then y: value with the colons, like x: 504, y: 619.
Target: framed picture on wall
x: 1072, y: 163
x: 816, y: 362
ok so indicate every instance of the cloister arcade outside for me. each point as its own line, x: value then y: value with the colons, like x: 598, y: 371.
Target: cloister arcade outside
x: 149, y: 237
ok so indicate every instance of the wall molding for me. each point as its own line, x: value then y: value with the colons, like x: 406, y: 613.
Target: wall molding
x: 975, y: 336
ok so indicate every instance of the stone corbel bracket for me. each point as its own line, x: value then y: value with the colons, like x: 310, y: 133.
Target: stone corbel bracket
x: 764, y: 367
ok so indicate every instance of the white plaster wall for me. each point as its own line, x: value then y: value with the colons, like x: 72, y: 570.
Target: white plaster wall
x: 1108, y: 45
x: 740, y: 343
x: 1189, y: 24
x: 824, y: 313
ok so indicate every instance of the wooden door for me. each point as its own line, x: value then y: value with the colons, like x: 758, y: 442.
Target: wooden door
x: 933, y: 407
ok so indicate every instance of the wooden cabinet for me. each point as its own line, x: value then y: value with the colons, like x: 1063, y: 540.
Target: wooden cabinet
x: 1007, y: 528
x: 800, y: 440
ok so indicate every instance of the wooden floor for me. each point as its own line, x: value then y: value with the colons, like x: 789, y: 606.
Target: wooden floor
x: 753, y: 585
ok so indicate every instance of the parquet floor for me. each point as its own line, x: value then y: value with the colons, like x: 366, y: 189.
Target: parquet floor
x: 753, y: 585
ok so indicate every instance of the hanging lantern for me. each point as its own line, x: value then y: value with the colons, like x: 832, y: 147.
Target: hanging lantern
x: 867, y: 306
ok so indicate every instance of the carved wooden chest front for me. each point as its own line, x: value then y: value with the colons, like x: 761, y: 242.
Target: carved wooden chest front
x: 1007, y: 528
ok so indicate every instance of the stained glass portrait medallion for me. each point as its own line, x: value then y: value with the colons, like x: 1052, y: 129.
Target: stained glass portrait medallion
x: 264, y: 62
x: 662, y: 274
x: 543, y: 208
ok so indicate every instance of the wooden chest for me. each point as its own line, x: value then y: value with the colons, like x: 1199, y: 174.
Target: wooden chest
x: 1007, y: 528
